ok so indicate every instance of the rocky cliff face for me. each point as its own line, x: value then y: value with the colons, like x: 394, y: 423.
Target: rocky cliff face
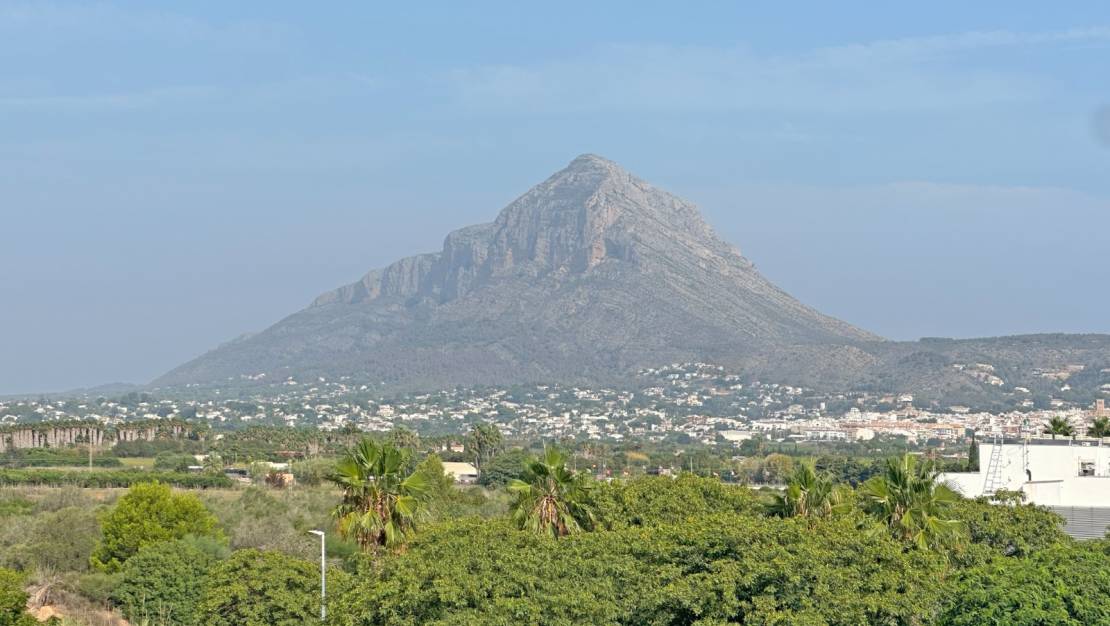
x: 584, y: 214
x: 590, y: 274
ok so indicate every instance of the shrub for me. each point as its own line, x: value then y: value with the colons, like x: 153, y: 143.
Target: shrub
x: 255, y: 588
x: 149, y: 513
x: 1011, y: 529
x: 12, y: 504
x: 64, y: 498
x: 97, y: 586
x: 164, y: 581
x: 1067, y: 585
x: 59, y: 540
x: 55, y: 457
x: 13, y: 600
x: 173, y: 462
x: 109, y: 478
x: 504, y: 468
x: 313, y: 472
x: 716, y: 569
x: 653, y: 500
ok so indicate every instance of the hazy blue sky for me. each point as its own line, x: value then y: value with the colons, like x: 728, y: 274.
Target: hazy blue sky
x: 175, y: 174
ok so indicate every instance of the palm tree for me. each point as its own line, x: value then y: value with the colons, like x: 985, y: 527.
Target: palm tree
x: 808, y: 494
x: 906, y: 498
x: 380, y: 506
x: 552, y: 499
x: 213, y: 463
x: 1058, y: 426
x: 1099, y: 428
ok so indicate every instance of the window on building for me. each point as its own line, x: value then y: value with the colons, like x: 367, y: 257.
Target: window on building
x: 1086, y: 468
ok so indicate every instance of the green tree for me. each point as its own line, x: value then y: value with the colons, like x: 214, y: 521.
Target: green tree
x: 777, y: 468
x: 213, y: 463
x: 718, y: 569
x: 808, y: 494
x: 1100, y: 427
x: 380, y: 505
x: 504, y: 468
x: 173, y: 462
x: 13, y: 600
x: 164, y: 583
x: 1058, y: 426
x: 973, y: 456
x: 1010, y: 527
x: 313, y: 472
x: 403, y: 437
x: 906, y: 498
x: 482, y: 443
x: 849, y: 470
x: 1067, y: 585
x: 552, y: 499
x: 438, y: 485
x: 255, y: 588
x: 146, y: 514
x: 657, y: 500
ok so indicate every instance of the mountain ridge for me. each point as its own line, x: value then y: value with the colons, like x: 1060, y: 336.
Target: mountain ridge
x: 587, y: 276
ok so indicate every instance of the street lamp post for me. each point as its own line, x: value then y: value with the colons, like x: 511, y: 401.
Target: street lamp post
x: 323, y: 575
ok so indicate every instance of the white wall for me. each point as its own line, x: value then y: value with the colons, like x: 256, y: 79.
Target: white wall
x: 1054, y: 469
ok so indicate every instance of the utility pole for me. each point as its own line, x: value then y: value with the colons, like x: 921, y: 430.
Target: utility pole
x: 323, y: 575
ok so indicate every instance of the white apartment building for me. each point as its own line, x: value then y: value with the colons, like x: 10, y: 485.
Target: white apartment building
x: 1070, y: 476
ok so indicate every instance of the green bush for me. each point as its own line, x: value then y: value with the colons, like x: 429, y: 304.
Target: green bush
x: 55, y: 457
x: 173, y: 462
x: 716, y: 569
x: 126, y: 449
x: 255, y: 588
x: 12, y: 504
x: 1067, y: 585
x: 109, y: 478
x: 148, y: 514
x: 59, y: 540
x: 655, y: 500
x: 164, y: 582
x: 268, y: 519
x: 97, y: 586
x: 313, y: 472
x: 1011, y: 529
x: 13, y: 600
x: 504, y: 468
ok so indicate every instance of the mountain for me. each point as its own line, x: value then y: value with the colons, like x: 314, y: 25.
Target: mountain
x: 588, y: 275
x: 593, y: 274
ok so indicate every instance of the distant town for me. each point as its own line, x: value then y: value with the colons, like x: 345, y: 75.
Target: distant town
x: 680, y: 403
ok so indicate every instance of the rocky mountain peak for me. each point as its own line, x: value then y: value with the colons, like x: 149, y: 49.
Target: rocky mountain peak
x: 592, y: 270
x: 594, y: 209
x: 588, y: 277
x: 590, y: 212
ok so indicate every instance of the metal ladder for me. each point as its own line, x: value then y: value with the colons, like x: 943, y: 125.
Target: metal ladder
x: 994, y: 480
x: 1025, y: 456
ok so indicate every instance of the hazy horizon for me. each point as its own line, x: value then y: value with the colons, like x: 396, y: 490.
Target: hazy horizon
x: 176, y: 178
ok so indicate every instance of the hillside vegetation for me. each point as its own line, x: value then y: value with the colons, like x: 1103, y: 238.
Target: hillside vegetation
x: 552, y: 546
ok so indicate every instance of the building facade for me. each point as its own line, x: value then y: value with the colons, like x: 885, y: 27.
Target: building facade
x: 1072, y: 477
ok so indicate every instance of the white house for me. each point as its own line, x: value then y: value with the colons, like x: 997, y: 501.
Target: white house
x: 463, y: 473
x: 1070, y: 476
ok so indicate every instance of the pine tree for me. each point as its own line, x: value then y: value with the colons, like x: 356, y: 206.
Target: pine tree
x: 973, y: 456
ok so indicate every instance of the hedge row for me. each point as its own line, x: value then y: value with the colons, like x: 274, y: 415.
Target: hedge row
x: 111, y: 478
x: 41, y: 457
